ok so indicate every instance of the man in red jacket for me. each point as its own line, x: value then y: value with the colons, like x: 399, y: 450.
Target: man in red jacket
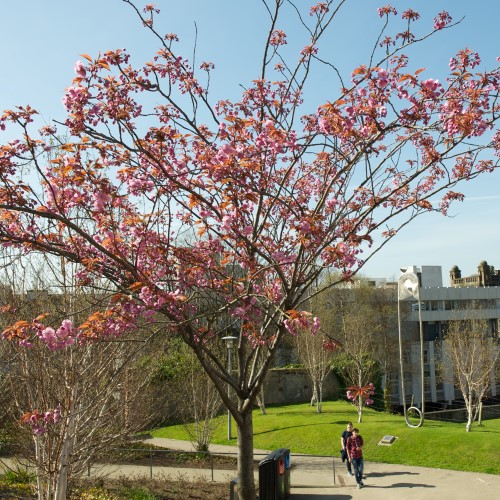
x: 355, y: 455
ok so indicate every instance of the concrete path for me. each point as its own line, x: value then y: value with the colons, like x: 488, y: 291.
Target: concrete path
x: 322, y: 478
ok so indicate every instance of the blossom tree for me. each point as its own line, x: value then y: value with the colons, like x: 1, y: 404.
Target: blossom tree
x: 361, y: 396
x: 65, y: 408
x: 166, y: 196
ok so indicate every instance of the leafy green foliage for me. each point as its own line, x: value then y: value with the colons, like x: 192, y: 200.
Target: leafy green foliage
x: 18, y: 476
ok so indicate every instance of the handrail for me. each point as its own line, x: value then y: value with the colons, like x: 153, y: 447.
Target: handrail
x: 212, y: 454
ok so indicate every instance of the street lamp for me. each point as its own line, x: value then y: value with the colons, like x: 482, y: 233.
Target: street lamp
x: 230, y: 340
x: 409, y: 287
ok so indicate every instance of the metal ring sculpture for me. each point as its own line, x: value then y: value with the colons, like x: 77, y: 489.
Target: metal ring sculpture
x: 409, y: 287
x: 421, y: 418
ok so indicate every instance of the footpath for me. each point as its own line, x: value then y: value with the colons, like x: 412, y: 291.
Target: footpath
x: 321, y: 478
x: 318, y: 478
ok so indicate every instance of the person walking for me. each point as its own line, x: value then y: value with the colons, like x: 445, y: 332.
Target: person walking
x: 343, y: 443
x: 355, y: 455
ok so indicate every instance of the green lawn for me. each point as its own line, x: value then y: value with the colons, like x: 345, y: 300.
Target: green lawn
x: 436, y: 444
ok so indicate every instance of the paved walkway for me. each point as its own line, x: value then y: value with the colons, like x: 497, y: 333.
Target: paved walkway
x: 315, y: 478
x: 321, y: 478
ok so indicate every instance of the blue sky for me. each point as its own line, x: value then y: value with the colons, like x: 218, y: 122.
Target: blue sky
x: 42, y: 41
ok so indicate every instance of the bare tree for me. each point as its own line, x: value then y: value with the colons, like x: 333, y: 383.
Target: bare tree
x: 66, y: 406
x: 473, y: 354
x: 314, y: 353
x: 194, y: 395
x: 352, y: 319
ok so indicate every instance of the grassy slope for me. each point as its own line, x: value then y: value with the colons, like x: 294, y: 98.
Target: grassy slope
x: 436, y: 444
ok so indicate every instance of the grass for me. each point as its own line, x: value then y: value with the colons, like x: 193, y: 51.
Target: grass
x: 437, y: 444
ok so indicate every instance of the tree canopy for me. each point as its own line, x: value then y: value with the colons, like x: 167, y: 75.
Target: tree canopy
x: 166, y: 196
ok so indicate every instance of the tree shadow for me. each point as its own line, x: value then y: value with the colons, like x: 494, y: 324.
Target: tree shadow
x: 306, y: 496
x: 384, y: 474
x: 402, y: 485
x: 325, y: 424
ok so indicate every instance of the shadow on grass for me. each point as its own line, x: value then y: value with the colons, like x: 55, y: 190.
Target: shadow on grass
x: 326, y: 424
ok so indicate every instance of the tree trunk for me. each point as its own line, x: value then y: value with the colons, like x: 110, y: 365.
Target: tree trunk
x: 246, y: 487
x: 320, y: 397
x: 470, y: 415
x: 260, y: 402
x: 314, y: 397
x: 67, y: 449
x: 38, y: 466
x: 360, y: 399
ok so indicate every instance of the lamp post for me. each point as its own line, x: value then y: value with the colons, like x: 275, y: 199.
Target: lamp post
x: 230, y: 340
x: 409, y: 287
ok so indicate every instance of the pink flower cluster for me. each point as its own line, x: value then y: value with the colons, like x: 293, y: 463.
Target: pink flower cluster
x: 319, y: 9
x: 361, y: 393
x: 385, y: 11
x: 278, y: 37
x: 75, y: 97
x: 40, y: 422
x: 432, y: 87
x: 80, y: 69
x: 151, y: 7
x: 300, y: 322
x: 63, y: 337
x: 442, y: 20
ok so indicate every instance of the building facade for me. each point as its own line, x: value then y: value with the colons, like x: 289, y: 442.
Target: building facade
x: 473, y: 297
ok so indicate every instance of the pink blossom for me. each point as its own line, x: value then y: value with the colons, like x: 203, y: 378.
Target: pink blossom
x: 430, y: 84
x: 278, y: 37
x: 411, y: 15
x: 279, y: 256
x: 225, y: 152
x: 385, y: 11
x: 80, y: 69
x: 442, y: 20
x: 207, y: 66
x: 319, y: 8
x: 48, y: 334
x: 100, y: 200
x: 307, y: 51
x: 304, y: 227
x: 226, y: 223
x: 383, y: 78
x: 316, y: 324
x: 151, y: 7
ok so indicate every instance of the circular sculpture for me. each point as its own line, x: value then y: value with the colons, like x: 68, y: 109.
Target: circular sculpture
x: 416, y: 410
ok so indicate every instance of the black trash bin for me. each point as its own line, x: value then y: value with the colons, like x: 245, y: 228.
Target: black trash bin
x: 274, y: 475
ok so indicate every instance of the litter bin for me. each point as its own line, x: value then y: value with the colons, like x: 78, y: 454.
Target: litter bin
x: 274, y: 475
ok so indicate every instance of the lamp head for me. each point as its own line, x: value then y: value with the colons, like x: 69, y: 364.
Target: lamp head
x: 229, y: 340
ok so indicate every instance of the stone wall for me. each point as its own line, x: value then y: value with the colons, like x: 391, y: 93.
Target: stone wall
x: 285, y: 385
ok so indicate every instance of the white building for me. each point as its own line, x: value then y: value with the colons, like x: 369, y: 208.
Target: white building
x: 439, y: 306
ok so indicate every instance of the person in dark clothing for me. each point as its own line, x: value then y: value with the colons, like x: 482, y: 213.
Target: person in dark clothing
x: 343, y: 443
x: 355, y: 454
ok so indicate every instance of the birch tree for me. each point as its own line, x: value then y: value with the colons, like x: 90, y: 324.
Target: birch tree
x: 474, y: 355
